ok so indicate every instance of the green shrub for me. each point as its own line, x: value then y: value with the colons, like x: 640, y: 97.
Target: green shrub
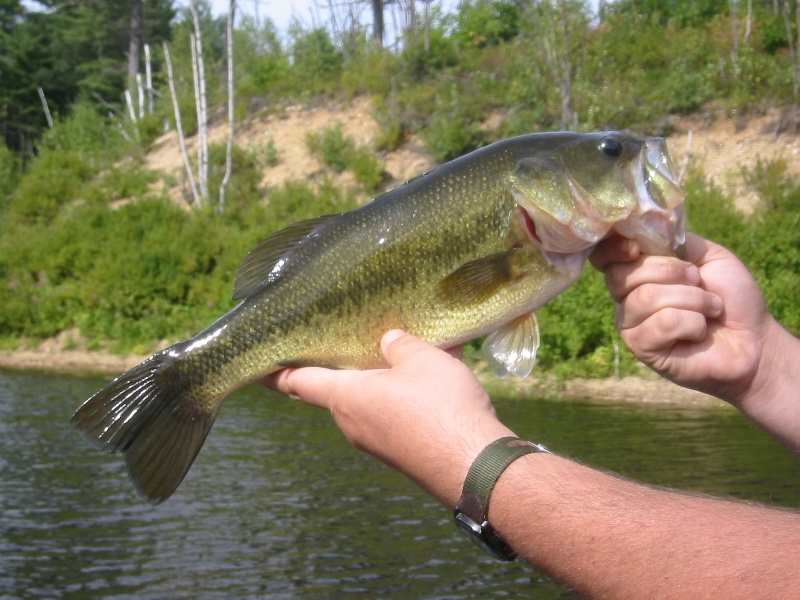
x: 339, y: 152
x: 332, y: 146
x: 449, y: 136
x: 9, y: 174
x: 54, y: 179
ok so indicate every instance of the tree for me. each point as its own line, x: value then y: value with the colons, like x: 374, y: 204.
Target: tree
x: 377, y: 22
x: 558, y: 28
x: 76, y: 50
x: 135, y: 43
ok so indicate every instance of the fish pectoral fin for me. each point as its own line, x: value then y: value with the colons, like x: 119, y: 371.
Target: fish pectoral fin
x: 480, y: 279
x: 512, y: 348
x: 258, y: 268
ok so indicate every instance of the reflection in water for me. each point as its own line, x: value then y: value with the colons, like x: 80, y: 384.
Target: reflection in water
x: 278, y: 505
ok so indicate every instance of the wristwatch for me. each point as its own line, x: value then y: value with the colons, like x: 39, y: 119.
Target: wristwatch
x: 473, y: 507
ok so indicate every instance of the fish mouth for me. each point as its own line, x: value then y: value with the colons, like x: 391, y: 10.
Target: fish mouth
x: 658, y: 222
x: 567, y: 212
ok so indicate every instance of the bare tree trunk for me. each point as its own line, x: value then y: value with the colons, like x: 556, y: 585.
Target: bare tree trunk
x: 557, y: 41
x: 181, y: 142
x: 202, y: 111
x: 45, y: 107
x: 135, y: 42
x: 377, y: 22
x: 733, y: 7
x: 129, y: 104
x: 568, y: 115
x: 229, y: 152
x: 148, y: 79
x: 793, y: 47
x: 427, y: 41
x: 140, y: 92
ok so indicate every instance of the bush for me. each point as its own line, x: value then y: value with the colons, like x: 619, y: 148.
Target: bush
x: 9, y: 174
x: 339, y: 152
x: 332, y: 146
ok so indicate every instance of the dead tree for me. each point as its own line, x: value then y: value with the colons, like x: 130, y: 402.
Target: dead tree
x: 229, y: 153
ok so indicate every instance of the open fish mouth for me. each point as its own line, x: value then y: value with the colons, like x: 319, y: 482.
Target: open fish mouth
x: 630, y: 189
x: 658, y: 223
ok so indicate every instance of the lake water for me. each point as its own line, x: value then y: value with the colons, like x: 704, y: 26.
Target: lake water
x: 278, y: 505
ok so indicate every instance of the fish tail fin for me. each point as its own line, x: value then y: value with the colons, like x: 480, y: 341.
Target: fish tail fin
x: 150, y: 415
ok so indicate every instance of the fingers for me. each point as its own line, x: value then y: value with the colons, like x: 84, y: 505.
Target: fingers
x: 398, y: 347
x: 623, y: 278
x: 318, y: 386
x: 615, y: 249
x: 659, y: 334
x: 313, y: 385
x: 652, y: 299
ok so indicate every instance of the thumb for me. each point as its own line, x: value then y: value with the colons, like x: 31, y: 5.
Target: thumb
x: 399, y: 347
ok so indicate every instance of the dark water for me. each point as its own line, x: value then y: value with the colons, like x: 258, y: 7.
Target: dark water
x: 278, y: 505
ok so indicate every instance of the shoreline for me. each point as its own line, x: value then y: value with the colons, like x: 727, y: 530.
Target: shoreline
x: 629, y: 389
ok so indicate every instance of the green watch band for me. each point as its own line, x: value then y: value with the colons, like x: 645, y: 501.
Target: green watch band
x: 471, y: 514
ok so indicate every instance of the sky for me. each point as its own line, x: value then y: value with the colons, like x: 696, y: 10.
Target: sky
x: 282, y: 11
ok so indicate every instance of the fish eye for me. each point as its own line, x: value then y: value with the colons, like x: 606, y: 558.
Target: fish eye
x: 611, y: 147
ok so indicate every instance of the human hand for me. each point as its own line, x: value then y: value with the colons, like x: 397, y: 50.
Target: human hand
x: 426, y: 415
x: 700, y: 322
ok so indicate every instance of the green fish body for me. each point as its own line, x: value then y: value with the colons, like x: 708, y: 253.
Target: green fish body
x: 472, y: 248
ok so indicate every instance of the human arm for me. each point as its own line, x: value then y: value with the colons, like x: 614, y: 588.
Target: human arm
x: 702, y: 322
x: 428, y: 417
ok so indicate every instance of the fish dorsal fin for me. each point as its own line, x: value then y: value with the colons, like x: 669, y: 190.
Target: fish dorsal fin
x: 262, y: 264
x: 512, y: 348
x: 478, y: 280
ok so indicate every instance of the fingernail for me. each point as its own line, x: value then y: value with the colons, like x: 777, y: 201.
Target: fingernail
x: 693, y: 274
x: 716, y: 306
x: 392, y: 335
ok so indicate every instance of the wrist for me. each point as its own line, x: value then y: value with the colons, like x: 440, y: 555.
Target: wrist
x: 440, y: 466
x: 771, y: 399
x: 471, y: 512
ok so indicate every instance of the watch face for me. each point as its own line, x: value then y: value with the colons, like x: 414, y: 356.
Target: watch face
x: 484, y: 537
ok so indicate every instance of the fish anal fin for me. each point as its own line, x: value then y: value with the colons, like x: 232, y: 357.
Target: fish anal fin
x: 263, y: 263
x: 478, y: 280
x: 150, y: 416
x: 512, y: 348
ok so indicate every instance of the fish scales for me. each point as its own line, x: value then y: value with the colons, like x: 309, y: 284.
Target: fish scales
x: 471, y: 248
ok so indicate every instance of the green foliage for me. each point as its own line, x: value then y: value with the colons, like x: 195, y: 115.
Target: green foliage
x: 578, y: 337
x: 452, y: 131
x: 774, y: 250
x: 74, y: 51
x: 9, y: 174
x: 332, y: 146
x: 768, y: 242
x: 316, y: 61
x: 55, y: 179
x: 480, y: 23
x: 72, y: 153
x: 268, y: 154
x: 340, y: 152
x: 83, y: 132
x: 244, y: 186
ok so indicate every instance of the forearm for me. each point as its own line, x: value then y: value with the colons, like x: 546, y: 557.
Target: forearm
x: 609, y: 538
x: 773, y: 399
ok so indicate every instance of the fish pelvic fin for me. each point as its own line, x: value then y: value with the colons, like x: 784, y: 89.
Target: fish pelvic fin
x: 150, y: 415
x: 512, y: 348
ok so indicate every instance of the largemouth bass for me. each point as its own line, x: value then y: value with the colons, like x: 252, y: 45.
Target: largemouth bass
x: 472, y: 248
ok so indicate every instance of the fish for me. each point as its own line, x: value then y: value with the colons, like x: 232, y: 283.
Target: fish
x: 469, y: 249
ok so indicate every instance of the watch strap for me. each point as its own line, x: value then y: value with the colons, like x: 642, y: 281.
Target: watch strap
x: 490, y: 464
